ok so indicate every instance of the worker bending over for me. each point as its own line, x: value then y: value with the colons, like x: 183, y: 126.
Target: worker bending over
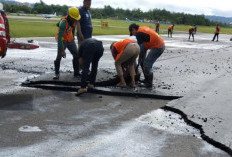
x: 125, y: 52
x: 90, y: 52
x: 147, y: 38
x: 170, y: 30
x: 191, y: 32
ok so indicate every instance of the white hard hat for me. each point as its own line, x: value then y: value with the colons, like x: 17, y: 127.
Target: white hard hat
x: 1, y: 6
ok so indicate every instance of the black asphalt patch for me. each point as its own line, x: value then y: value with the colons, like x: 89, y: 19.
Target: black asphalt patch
x: 105, y: 84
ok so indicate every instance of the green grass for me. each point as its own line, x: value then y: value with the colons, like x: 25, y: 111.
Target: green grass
x: 47, y: 28
x: 32, y: 28
x: 203, y: 29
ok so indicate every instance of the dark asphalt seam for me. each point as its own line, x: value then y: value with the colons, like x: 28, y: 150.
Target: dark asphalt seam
x: 103, y: 92
x: 199, y: 127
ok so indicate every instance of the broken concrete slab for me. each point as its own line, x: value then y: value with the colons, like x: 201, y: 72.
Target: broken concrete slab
x: 183, y: 69
x: 105, y: 84
x: 210, y: 107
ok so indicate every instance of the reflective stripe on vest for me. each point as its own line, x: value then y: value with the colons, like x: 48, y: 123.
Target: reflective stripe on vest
x: 155, y: 40
x: 121, y: 45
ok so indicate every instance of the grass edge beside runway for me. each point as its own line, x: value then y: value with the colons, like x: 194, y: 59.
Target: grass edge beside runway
x: 23, y: 27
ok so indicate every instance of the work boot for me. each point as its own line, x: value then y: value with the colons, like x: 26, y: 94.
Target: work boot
x: 148, y: 80
x: 76, y: 67
x: 90, y: 86
x: 145, y: 77
x: 144, y: 80
x: 57, y: 70
x: 56, y: 77
x: 81, y: 91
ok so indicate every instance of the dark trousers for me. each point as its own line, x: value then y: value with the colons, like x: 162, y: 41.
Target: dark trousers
x: 215, y: 35
x: 150, y: 59
x: 191, y: 34
x: 170, y: 32
x: 71, y: 46
x: 157, y: 30
x: 91, y: 54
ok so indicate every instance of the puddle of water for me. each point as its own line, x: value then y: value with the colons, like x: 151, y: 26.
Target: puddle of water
x: 27, y: 128
x: 16, y: 102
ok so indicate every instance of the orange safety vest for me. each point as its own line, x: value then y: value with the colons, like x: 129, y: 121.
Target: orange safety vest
x: 170, y: 27
x: 217, y: 29
x: 68, y: 35
x: 191, y: 30
x: 120, y: 46
x: 155, y: 40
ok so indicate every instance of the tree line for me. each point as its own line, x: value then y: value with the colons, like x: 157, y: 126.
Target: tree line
x: 161, y: 15
x: 38, y: 8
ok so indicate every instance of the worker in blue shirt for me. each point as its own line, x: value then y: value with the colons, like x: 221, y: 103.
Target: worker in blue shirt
x: 85, y: 27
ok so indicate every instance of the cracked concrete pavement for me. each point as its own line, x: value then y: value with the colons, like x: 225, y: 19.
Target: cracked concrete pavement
x: 37, y: 122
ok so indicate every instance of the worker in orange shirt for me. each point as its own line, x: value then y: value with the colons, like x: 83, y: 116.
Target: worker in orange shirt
x: 170, y: 30
x: 216, y: 34
x: 147, y: 38
x: 191, y: 32
x: 125, y: 53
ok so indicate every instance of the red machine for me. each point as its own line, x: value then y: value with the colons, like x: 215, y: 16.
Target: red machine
x: 4, y: 33
x: 25, y: 46
x: 5, y: 37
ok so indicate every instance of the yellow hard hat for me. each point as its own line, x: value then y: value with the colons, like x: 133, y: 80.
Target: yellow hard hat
x: 74, y: 13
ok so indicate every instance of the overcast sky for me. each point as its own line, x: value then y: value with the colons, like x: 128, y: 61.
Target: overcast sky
x: 206, y: 7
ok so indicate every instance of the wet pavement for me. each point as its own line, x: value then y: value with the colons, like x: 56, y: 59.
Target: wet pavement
x: 37, y: 122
